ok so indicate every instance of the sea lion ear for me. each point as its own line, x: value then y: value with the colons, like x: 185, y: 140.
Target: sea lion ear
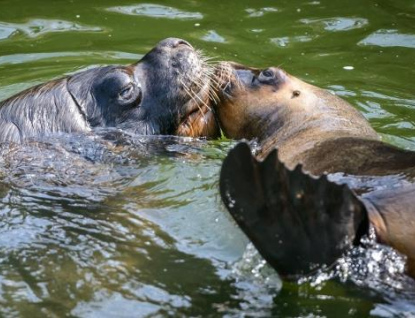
x: 79, y: 91
x: 298, y: 223
x: 79, y: 87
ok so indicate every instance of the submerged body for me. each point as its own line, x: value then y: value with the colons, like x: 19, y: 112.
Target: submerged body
x: 166, y: 92
x: 325, y: 135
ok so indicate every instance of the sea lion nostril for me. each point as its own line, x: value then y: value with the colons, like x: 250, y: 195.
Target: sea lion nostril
x: 296, y: 93
x: 183, y: 42
x: 174, y: 43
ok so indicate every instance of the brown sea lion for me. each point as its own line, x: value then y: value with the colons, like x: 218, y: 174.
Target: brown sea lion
x: 299, y: 223
x: 166, y: 92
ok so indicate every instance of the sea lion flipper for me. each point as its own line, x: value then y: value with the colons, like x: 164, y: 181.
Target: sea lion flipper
x: 392, y: 214
x: 296, y: 222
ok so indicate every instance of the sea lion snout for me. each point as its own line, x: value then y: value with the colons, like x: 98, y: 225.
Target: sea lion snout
x: 171, y: 48
x: 173, y: 43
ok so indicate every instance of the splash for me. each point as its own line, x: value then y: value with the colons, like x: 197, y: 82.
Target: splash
x: 257, y: 283
x: 370, y: 265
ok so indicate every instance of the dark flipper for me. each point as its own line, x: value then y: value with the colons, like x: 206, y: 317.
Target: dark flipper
x: 298, y: 223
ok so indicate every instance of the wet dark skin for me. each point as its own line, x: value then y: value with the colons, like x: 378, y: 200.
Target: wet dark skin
x: 166, y: 92
x: 299, y: 222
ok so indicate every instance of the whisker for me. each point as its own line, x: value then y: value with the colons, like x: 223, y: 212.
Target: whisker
x: 189, y: 92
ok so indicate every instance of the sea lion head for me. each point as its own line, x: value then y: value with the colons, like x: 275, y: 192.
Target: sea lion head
x: 264, y: 103
x: 166, y: 92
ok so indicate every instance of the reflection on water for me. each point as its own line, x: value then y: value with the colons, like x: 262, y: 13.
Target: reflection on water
x: 260, y: 282
x: 338, y: 24
x: 111, y: 224
x: 156, y: 11
x: 24, y: 58
x: 213, y: 36
x: 389, y: 38
x: 38, y: 27
x: 256, y: 13
x: 286, y: 41
x: 6, y: 31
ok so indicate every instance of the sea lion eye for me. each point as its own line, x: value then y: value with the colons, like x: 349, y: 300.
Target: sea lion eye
x: 130, y: 95
x: 127, y: 92
x: 266, y: 76
x: 267, y: 73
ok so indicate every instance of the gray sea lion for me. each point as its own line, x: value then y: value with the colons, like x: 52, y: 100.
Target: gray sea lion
x: 166, y: 92
x: 297, y: 222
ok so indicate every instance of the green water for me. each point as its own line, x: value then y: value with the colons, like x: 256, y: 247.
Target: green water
x: 148, y: 236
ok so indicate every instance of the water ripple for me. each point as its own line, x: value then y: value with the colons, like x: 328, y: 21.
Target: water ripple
x: 255, y: 13
x: 287, y: 41
x: 337, y: 24
x: 37, y: 27
x: 114, y: 305
x: 30, y: 57
x: 389, y: 38
x: 156, y: 11
x: 6, y: 31
x: 213, y: 36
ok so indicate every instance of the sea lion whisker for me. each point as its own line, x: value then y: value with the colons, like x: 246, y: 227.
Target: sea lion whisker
x: 206, y: 57
x: 212, y: 95
x: 202, y: 56
x: 217, y: 79
x: 213, y: 84
x: 224, y: 90
x: 194, y: 96
x: 224, y: 73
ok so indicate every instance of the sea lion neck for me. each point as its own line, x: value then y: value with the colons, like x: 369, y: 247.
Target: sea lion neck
x: 313, y: 117
x: 302, y: 133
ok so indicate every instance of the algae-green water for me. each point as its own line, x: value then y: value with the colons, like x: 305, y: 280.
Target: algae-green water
x: 143, y: 233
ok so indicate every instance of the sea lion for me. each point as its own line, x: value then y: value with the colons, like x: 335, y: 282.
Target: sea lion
x: 299, y: 223
x: 166, y: 92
